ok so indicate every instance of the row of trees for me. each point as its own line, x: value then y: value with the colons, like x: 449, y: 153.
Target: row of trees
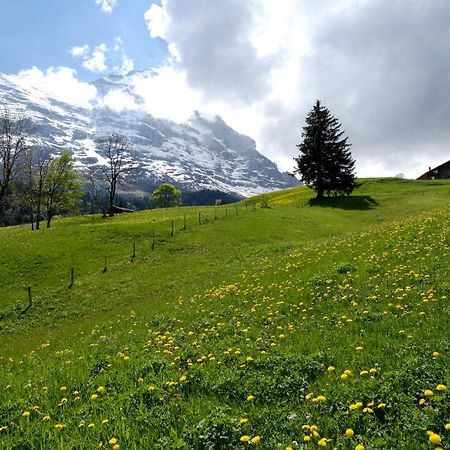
x: 35, y: 186
x: 32, y: 184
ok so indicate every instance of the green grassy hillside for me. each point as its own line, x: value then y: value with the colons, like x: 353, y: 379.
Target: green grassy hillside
x: 276, y: 321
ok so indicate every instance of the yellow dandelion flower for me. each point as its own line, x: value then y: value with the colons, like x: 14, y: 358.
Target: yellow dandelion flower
x: 359, y: 447
x: 255, y: 440
x: 322, y: 442
x: 112, y: 441
x: 447, y: 426
x: 349, y: 432
x: 250, y: 398
x: 434, y: 438
x: 100, y: 390
x: 331, y: 369
x: 242, y: 421
x: 105, y: 421
x: 244, y: 438
x: 26, y: 414
x: 441, y: 387
x: 46, y: 418
x: 306, y: 438
x: 94, y: 397
x: 428, y: 392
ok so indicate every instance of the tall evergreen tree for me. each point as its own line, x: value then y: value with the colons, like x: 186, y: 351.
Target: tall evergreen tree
x: 325, y: 162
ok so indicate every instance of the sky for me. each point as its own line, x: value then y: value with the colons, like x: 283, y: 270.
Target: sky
x: 380, y: 66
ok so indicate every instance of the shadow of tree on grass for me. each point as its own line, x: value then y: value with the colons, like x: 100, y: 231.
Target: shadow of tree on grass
x: 354, y: 202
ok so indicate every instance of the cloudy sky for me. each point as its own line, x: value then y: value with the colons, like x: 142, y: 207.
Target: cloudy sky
x: 380, y: 66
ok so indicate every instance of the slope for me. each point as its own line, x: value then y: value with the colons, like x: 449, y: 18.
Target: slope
x: 280, y: 341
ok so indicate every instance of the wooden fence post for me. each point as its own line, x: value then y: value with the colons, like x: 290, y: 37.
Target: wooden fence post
x: 199, y: 218
x: 105, y: 267
x: 184, y: 222
x: 134, y: 252
x: 172, y: 230
x: 72, y: 277
x: 153, y: 240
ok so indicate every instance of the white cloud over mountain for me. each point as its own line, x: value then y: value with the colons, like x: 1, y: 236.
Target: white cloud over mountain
x: 60, y: 83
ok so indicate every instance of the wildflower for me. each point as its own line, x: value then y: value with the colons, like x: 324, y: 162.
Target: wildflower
x: 46, y: 418
x: 363, y: 373
x: 250, y: 398
x: 59, y: 426
x: 373, y: 371
x: 359, y: 447
x: 441, y: 387
x: 436, y: 355
x: 26, y: 414
x: 331, y: 369
x: 349, y: 432
x: 63, y: 401
x: 344, y: 376
x: 91, y: 425
x: 112, y: 441
x: 447, y: 426
x: 428, y: 392
x: 434, y: 438
x: 255, y: 440
x: 105, y: 421
x: 244, y: 438
x: 94, y: 397
x: 322, y: 442
x: 183, y: 378
x: 116, y: 447
x: 100, y: 390
x: 306, y: 438
x: 242, y: 421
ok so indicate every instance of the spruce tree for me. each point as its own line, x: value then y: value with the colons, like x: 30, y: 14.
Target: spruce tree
x: 325, y: 162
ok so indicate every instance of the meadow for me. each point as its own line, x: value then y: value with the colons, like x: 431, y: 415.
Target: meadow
x: 275, y: 323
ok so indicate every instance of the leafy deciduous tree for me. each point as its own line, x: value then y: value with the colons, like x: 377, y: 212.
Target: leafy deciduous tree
x: 62, y: 187
x: 166, y: 195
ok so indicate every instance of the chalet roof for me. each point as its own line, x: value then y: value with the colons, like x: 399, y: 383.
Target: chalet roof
x: 425, y: 175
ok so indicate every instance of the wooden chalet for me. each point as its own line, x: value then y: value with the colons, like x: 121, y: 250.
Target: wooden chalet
x: 438, y: 173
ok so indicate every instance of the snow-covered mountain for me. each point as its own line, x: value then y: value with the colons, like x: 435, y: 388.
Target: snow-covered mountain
x: 202, y: 153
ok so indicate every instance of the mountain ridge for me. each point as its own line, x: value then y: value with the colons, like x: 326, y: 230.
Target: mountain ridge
x: 203, y: 153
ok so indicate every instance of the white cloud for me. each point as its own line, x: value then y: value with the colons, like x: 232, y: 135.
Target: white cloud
x: 107, y: 5
x: 80, y: 51
x: 119, y: 101
x: 157, y: 21
x: 261, y: 65
x: 59, y: 83
x: 166, y: 94
x: 96, y: 62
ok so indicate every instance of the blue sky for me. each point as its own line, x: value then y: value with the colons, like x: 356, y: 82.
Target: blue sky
x: 41, y: 33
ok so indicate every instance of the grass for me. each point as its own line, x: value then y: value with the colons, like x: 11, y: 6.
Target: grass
x: 273, y: 303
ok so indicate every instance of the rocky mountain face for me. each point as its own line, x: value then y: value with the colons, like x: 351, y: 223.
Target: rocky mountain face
x: 202, y: 154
